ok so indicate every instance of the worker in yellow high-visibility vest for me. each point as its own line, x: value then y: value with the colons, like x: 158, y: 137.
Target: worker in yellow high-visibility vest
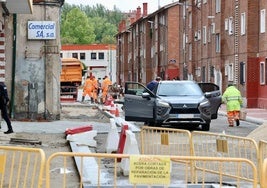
x: 233, y: 99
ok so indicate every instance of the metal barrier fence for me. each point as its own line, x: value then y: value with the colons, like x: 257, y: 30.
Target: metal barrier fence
x: 264, y: 174
x: 165, y: 141
x: 262, y: 154
x: 21, y: 167
x: 227, y: 146
x: 107, y: 172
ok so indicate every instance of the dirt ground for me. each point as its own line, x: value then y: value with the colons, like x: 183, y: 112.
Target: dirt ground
x: 56, y: 142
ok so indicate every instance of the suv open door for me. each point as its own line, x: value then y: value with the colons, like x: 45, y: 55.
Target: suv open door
x: 138, y: 102
x: 213, y: 94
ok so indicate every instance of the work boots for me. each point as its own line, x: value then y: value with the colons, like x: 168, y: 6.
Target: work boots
x: 9, y: 131
x: 237, y: 122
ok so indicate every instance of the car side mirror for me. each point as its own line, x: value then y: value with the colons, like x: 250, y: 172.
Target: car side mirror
x: 146, y: 95
x: 207, y: 94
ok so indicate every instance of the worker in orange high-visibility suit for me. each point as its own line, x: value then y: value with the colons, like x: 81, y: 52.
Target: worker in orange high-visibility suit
x: 94, y: 90
x: 87, y: 88
x: 106, y: 82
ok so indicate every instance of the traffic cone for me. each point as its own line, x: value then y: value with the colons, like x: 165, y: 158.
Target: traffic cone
x: 112, y: 108
x: 117, y: 113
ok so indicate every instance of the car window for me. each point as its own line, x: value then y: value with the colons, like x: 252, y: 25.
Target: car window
x: 208, y: 87
x: 179, y: 89
x: 134, y: 89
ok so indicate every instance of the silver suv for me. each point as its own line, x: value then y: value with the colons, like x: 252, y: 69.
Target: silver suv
x: 172, y: 103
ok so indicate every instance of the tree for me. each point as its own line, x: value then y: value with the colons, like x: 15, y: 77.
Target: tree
x: 76, y: 29
x: 103, y: 30
x: 103, y: 21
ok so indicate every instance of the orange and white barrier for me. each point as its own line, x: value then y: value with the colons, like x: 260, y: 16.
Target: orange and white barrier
x: 84, y: 138
x: 131, y: 147
x: 113, y: 137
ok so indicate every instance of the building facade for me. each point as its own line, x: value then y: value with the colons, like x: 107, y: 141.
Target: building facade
x: 147, y: 45
x: 202, y: 40
x: 30, y: 61
x: 100, y: 59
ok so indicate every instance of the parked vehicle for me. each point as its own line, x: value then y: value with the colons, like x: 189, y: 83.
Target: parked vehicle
x: 70, y: 78
x: 172, y: 103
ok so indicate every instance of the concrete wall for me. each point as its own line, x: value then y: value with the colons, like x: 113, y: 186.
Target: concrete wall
x: 37, y: 67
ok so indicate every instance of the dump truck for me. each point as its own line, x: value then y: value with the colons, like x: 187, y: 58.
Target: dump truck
x: 70, y: 78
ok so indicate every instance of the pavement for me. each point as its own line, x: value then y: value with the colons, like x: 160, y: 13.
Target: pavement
x: 254, y: 115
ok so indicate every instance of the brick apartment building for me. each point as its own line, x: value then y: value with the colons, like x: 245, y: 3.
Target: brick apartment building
x: 204, y: 40
x: 100, y: 59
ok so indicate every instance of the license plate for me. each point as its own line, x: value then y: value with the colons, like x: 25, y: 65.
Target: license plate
x: 185, y: 115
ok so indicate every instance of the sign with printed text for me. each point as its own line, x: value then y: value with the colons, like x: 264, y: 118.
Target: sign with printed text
x: 151, y: 170
x: 41, y: 30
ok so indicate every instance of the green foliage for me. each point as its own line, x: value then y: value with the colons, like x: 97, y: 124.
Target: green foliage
x: 76, y: 28
x: 86, y: 25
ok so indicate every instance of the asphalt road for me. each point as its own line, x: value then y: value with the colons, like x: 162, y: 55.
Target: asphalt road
x: 220, y: 125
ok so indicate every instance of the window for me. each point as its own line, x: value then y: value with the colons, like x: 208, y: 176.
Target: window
x: 190, y: 51
x: 212, y: 28
x: 230, y: 72
x: 262, y: 73
x: 190, y: 20
x: 217, y: 43
x: 212, y: 68
x: 198, y: 3
x: 198, y: 72
x: 199, y: 35
x: 196, y: 36
x: 82, y: 56
x: 262, y: 21
x: 203, y: 74
x: 230, y: 26
x: 93, y: 55
x: 101, y: 55
x: 75, y: 55
x: 226, y: 24
x: 242, y: 73
x: 218, y: 6
x: 243, y: 23
x: 204, y: 34
x: 61, y: 55
x: 226, y: 69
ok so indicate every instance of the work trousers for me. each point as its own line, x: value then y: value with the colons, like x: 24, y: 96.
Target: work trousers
x: 232, y: 116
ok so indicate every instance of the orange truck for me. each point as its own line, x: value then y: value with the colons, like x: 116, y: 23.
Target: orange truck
x: 70, y: 78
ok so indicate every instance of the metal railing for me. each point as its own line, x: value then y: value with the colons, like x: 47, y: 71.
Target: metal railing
x: 21, y: 167
x: 106, y: 171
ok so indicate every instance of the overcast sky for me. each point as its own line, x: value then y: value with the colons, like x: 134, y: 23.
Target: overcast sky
x: 124, y: 5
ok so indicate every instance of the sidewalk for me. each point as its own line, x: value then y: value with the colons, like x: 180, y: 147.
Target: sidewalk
x: 254, y: 115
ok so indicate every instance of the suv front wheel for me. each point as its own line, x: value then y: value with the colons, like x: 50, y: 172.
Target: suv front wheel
x: 206, y: 127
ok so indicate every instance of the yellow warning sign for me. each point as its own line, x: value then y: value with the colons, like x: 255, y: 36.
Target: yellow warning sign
x: 151, y: 170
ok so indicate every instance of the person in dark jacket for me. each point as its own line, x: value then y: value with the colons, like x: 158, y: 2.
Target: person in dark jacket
x: 151, y: 85
x: 3, y: 107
